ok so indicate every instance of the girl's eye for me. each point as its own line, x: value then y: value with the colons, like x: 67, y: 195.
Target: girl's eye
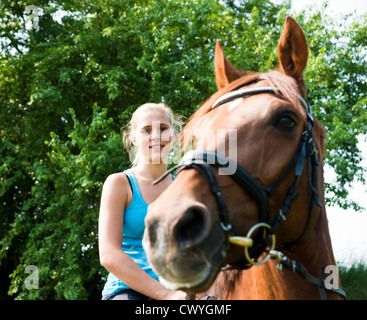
x: 149, y: 130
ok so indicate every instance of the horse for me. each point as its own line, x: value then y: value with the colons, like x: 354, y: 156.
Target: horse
x: 249, y: 224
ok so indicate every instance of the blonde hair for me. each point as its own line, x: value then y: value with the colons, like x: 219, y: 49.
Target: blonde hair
x: 175, y: 120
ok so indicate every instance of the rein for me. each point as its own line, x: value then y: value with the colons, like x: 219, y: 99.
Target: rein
x: 306, y: 154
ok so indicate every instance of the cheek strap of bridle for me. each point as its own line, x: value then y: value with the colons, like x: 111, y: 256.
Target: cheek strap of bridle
x: 210, y: 176
x: 305, y: 155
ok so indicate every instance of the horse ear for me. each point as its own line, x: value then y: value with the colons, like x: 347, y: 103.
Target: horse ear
x: 225, y: 72
x: 293, y: 52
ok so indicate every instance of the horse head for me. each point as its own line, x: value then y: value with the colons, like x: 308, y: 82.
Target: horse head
x: 256, y: 170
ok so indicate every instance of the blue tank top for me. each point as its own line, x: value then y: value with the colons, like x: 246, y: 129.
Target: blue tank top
x: 133, y: 231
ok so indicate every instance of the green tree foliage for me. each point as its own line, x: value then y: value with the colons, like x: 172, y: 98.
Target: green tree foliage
x: 67, y: 88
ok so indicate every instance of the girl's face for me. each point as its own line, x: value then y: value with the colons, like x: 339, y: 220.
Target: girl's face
x: 153, y: 135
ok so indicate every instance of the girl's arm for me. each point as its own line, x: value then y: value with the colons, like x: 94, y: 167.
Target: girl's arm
x: 112, y: 257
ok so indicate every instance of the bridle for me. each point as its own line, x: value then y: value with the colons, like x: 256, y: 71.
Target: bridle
x: 305, y: 155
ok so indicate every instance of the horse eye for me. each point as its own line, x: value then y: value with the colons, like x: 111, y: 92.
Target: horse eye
x: 287, y: 122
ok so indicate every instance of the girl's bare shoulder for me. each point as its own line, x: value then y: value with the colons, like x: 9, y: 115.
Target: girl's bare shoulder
x: 117, y: 182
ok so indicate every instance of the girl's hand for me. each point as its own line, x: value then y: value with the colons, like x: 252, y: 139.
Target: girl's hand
x: 176, y: 295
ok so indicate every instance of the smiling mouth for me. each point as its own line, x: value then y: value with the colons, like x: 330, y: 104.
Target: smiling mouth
x: 158, y: 147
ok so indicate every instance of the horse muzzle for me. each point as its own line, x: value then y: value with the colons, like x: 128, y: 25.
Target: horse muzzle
x: 186, y: 249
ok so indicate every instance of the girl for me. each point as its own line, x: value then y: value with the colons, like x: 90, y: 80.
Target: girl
x: 124, y: 202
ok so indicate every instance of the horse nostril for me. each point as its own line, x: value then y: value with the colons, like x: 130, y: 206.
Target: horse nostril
x: 193, y: 227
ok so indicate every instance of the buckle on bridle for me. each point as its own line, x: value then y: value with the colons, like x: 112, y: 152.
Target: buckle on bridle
x: 248, y: 242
